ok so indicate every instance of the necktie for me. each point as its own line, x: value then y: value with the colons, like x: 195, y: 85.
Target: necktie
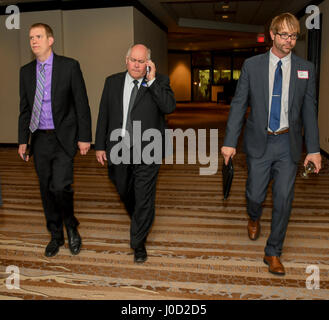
x: 276, y: 99
x: 35, y: 118
x: 129, y: 124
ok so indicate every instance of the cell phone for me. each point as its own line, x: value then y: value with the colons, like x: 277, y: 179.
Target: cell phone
x: 148, y: 69
x: 25, y: 155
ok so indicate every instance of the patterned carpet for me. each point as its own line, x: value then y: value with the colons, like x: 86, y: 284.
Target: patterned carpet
x: 198, y: 247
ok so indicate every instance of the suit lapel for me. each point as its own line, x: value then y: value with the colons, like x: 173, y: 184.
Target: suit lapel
x: 141, y: 91
x: 121, y: 88
x: 293, y: 80
x: 265, y: 70
x: 33, y: 80
x: 54, y: 79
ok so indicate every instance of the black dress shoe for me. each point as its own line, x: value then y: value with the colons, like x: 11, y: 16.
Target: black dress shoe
x: 53, y: 247
x: 140, y: 254
x: 74, y: 240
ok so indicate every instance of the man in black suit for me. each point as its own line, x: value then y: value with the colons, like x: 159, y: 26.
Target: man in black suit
x: 279, y: 87
x: 129, y: 98
x: 54, y: 110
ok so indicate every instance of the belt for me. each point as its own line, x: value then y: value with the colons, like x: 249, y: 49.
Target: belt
x: 47, y: 131
x: 278, y: 132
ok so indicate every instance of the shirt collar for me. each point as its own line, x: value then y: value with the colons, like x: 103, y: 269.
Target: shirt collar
x: 130, y: 79
x: 48, y: 62
x: 274, y: 59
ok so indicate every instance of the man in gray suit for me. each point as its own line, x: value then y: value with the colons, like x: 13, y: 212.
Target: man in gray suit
x: 279, y: 87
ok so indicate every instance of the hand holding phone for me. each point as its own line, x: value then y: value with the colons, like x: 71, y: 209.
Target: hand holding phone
x: 150, y: 70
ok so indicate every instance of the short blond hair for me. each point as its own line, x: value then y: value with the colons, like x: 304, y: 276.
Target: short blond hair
x: 287, y: 19
x: 48, y: 29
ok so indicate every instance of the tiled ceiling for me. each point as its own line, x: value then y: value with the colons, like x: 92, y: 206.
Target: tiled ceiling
x: 256, y: 12
x: 218, y: 25
x: 212, y: 24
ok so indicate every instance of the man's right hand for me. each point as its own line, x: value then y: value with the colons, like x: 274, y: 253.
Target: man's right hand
x: 22, y: 152
x: 228, y: 152
x: 101, y: 156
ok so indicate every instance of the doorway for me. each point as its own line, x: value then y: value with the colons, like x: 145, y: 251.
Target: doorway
x: 201, y: 82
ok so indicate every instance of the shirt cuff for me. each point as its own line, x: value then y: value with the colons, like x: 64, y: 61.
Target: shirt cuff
x: 149, y: 83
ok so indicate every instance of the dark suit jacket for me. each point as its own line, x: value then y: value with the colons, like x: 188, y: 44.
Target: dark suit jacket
x: 69, y: 102
x: 150, y: 107
x: 253, y: 90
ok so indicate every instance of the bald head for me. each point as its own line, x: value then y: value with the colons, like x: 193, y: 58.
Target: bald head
x: 141, y: 47
x: 136, y: 59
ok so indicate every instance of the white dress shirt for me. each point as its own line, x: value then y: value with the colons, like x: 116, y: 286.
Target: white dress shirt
x: 286, y: 71
x: 128, y: 87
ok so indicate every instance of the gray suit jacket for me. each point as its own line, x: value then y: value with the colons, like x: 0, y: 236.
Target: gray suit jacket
x: 253, y: 90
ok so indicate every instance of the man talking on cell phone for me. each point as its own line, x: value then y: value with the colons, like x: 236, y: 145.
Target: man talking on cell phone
x: 54, y: 111
x: 279, y: 87
x: 144, y: 98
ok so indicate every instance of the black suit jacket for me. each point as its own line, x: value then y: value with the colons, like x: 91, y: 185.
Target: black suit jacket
x: 150, y: 107
x: 253, y: 90
x: 69, y: 102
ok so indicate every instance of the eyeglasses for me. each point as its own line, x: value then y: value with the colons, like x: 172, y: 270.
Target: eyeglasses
x: 135, y: 60
x: 285, y: 36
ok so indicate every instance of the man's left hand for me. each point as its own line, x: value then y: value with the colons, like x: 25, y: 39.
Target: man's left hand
x: 84, y: 147
x: 151, y: 75
x: 316, y: 159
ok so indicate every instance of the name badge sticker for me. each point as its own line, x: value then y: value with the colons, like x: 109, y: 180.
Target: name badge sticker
x: 302, y: 74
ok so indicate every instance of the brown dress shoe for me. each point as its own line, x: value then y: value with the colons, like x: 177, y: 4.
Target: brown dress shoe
x: 274, y: 265
x: 253, y: 229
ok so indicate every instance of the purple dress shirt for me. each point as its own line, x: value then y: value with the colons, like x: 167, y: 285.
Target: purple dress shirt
x: 46, y: 116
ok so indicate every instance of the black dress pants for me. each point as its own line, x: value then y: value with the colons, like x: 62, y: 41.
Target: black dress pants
x: 136, y: 185
x: 54, y: 168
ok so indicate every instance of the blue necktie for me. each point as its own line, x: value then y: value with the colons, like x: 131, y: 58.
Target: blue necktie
x: 276, y: 99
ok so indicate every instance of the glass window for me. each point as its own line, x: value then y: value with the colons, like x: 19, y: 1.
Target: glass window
x: 201, y: 59
x: 222, y: 69
x: 236, y: 74
x: 201, y: 84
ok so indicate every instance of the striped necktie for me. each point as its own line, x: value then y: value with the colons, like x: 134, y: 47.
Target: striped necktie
x: 129, y: 124
x: 276, y: 99
x: 37, y: 105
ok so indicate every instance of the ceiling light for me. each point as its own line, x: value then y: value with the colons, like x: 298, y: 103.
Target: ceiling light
x: 224, y: 17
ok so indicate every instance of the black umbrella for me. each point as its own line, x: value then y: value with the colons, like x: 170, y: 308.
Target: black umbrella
x: 228, y: 172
